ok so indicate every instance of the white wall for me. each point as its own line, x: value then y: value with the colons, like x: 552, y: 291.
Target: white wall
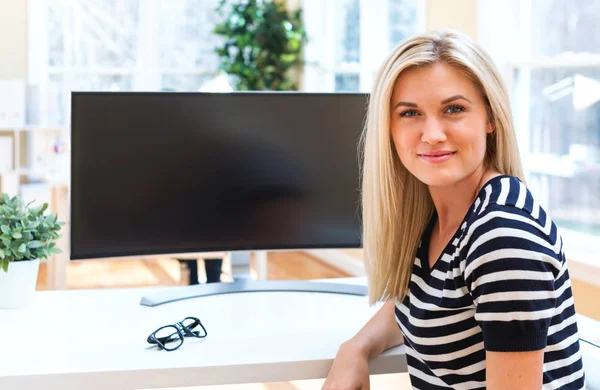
x: 13, y: 39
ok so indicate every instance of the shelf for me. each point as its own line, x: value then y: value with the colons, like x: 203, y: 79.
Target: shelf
x: 28, y: 171
x: 32, y: 128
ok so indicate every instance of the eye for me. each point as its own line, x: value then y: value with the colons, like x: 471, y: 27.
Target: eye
x: 455, y: 109
x: 408, y: 113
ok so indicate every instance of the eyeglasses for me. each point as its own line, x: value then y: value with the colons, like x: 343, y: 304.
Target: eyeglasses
x: 170, y: 337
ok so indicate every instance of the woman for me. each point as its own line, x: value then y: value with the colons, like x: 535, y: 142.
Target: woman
x: 469, y: 265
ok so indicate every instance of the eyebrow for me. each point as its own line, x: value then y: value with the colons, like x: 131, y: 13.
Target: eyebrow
x: 407, y: 104
x: 453, y: 98
x: 448, y: 100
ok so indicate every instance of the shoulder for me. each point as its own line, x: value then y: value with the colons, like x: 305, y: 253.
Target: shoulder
x: 506, y: 220
x: 506, y: 202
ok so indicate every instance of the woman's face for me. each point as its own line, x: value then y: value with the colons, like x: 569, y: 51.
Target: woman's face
x: 439, y: 124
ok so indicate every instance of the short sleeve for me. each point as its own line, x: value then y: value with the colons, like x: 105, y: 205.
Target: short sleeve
x: 510, y: 270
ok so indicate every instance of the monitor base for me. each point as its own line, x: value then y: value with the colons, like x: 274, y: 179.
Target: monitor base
x: 246, y: 285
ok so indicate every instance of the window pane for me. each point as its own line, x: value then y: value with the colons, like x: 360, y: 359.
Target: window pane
x: 102, y: 82
x: 56, y: 48
x: 98, y: 33
x: 563, y: 157
x: 346, y: 83
x: 184, y: 26
x: 60, y: 87
x: 57, y: 100
x: 183, y: 82
x: 108, y: 44
x: 348, y: 32
x: 559, y: 26
x: 403, y: 20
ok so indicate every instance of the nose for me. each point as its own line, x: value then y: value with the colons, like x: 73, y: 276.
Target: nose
x: 433, y: 132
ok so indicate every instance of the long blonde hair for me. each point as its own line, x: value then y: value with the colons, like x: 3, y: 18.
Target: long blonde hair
x: 396, y: 206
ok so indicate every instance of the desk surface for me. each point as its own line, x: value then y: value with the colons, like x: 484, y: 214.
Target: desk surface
x: 96, y: 339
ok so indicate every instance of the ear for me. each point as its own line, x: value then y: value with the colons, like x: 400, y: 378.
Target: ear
x: 490, y: 127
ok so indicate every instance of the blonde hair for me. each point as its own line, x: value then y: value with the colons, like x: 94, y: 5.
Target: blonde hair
x: 396, y: 206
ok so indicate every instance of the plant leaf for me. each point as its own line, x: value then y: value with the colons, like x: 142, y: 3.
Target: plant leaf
x: 34, y: 244
x: 25, y: 232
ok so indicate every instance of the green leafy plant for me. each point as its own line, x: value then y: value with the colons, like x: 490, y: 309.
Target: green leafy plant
x: 27, y: 234
x: 263, y: 41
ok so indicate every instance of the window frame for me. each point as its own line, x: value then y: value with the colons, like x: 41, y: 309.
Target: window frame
x: 146, y: 72
x: 321, y: 69
x: 511, y: 53
x: 582, y: 254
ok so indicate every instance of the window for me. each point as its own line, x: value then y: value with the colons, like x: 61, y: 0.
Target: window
x: 348, y: 40
x: 152, y: 45
x: 553, y: 69
x: 117, y: 45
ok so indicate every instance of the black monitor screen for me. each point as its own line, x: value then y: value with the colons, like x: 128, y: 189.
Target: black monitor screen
x: 157, y: 173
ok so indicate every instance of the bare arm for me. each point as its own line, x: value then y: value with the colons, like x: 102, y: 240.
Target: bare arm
x: 514, y: 370
x: 380, y: 333
x: 350, y: 369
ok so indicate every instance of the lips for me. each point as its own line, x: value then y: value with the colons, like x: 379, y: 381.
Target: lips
x: 438, y: 156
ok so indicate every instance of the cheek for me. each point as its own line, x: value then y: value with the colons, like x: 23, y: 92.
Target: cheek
x: 403, y: 143
x: 470, y: 138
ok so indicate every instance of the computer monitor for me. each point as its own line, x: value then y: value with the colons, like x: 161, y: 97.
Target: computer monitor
x: 164, y: 173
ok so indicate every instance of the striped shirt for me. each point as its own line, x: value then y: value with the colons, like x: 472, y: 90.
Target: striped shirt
x: 501, y: 284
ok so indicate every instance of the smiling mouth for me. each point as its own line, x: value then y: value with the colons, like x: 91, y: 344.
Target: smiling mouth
x: 437, y: 157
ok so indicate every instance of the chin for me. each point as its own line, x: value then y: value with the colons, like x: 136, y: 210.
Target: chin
x: 440, y: 181
x: 438, y: 177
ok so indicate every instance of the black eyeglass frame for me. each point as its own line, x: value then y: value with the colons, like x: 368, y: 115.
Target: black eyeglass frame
x: 180, y: 330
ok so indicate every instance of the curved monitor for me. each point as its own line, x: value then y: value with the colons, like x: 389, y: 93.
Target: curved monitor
x: 159, y: 173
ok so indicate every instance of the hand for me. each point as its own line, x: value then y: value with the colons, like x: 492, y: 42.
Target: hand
x: 349, y: 371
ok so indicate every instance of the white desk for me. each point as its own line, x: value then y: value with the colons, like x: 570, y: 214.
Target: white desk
x: 96, y: 339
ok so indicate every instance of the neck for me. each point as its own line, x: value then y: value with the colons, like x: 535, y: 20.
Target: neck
x: 452, y: 202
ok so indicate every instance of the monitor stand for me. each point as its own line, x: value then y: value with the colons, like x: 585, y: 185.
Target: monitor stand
x: 243, y: 282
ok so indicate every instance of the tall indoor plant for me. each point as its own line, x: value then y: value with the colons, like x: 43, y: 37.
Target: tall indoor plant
x: 27, y: 236
x: 262, y: 43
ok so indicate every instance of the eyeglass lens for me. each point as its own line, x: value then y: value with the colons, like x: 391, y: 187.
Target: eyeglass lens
x: 193, y: 325
x: 190, y: 323
x: 168, y: 337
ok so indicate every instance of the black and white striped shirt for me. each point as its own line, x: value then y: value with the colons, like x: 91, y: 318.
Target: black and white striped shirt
x: 501, y: 284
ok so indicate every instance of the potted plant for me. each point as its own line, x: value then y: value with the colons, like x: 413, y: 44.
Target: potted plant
x: 262, y: 43
x: 27, y: 236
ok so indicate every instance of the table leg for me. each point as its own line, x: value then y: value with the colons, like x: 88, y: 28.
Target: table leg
x: 260, y: 261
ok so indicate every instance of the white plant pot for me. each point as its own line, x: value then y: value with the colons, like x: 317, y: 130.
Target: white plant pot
x: 17, y: 286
